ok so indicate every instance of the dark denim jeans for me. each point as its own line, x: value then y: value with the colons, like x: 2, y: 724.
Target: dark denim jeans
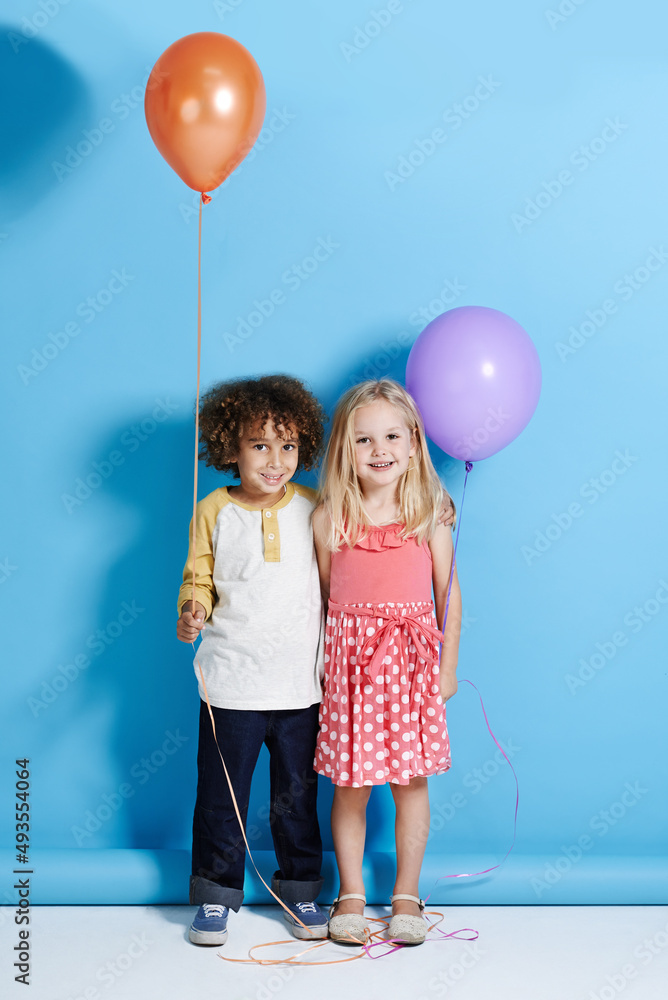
x: 218, y: 847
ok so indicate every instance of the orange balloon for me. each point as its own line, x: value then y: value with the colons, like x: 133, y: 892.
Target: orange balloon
x: 204, y: 105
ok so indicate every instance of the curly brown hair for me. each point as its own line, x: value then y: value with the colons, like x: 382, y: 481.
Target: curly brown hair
x: 229, y: 408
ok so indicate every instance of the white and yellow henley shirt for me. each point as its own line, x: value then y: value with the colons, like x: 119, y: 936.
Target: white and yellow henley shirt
x: 257, y: 578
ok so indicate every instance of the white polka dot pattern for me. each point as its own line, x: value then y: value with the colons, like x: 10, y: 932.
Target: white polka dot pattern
x: 409, y: 737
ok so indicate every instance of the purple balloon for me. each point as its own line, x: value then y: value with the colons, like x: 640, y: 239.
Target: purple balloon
x: 475, y: 375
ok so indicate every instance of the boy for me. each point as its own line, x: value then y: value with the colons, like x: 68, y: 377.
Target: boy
x: 261, y: 653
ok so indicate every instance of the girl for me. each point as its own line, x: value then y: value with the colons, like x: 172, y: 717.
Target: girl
x: 382, y: 719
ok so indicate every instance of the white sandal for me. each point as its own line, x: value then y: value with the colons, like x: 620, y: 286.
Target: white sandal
x: 406, y: 928
x: 348, y: 928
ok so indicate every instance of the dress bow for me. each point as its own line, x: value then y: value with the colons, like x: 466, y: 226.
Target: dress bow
x: 374, y: 647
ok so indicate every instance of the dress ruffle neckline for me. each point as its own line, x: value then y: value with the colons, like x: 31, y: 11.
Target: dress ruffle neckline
x: 382, y: 536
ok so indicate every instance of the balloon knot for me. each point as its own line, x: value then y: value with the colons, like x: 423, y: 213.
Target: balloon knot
x: 469, y: 466
x: 206, y: 198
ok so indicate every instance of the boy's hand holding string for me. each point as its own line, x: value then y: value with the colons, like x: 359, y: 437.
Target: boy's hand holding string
x: 189, y: 625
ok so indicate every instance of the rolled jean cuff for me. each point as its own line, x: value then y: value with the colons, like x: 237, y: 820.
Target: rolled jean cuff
x: 203, y: 890
x: 291, y: 891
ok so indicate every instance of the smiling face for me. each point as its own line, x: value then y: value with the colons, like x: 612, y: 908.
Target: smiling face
x: 384, y: 445
x: 267, y: 459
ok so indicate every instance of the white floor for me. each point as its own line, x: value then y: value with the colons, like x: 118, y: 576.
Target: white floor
x: 523, y: 953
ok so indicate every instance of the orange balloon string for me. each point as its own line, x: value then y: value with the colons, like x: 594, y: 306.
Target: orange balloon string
x: 199, y: 365
x: 375, y: 939
x: 234, y: 801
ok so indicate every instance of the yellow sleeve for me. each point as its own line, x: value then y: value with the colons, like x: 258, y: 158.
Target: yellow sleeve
x: 205, y: 590
x: 306, y: 491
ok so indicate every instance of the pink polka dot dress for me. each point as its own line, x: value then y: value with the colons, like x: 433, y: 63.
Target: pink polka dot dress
x: 382, y: 717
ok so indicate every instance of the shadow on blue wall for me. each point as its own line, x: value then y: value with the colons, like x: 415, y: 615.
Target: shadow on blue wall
x: 143, y: 685
x: 144, y: 677
x: 45, y: 101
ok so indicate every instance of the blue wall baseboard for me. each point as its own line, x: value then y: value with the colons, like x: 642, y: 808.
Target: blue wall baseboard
x: 146, y: 877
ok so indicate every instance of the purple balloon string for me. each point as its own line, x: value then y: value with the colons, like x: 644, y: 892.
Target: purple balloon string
x: 396, y: 944
x: 517, y: 797
x: 469, y: 466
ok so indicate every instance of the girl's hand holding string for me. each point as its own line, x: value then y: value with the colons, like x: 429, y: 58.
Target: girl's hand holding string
x: 190, y: 625
x: 447, y: 684
x: 442, y: 554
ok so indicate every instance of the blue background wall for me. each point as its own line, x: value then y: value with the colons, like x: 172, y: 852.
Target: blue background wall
x: 487, y: 218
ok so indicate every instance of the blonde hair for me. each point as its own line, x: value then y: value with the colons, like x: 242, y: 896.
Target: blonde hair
x: 420, y: 492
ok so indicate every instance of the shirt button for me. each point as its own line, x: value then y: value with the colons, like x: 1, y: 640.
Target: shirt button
x: 271, y: 537
x: 267, y: 513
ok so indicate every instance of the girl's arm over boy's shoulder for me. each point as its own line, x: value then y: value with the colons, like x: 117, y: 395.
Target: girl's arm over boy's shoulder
x: 442, y: 553
x: 447, y: 513
x: 321, y: 528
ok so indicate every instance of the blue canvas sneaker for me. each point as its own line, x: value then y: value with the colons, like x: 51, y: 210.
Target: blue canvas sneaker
x: 309, y: 914
x: 209, y: 925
